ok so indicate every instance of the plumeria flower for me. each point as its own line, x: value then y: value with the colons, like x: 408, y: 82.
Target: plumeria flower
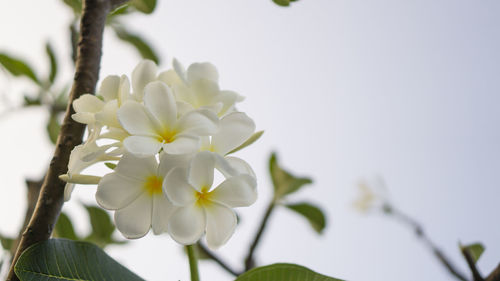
x: 134, y: 191
x: 372, y: 195
x: 198, y: 88
x: 156, y: 124
x: 203, y: 208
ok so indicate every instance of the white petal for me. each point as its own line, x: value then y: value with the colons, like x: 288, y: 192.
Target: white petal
x: 179, y: 69
x: 124, y: 91
x: 138, y: 168
x: 136, y: 120
x: 221, y: 223
x: 234, y: 129
x: 170, y: 77
x: 170, y: 161
x: 88, y: 103
x: 84, y: 117
x: 115, y: 134
x: 68, y: 190
x: 237, y: 191
x: 177, y: 188
x: 205, y: 70
x: 200, y: 122
x: 160, y: 101
x: 228, y: 99
x: 115, y: 191
x: 201, y: 170
x: 240, y: 165
x: 143, y: 73
x: 142, y: 146
x: 108, y: 115
x: 134, y: 220
x: 162, y: 210
x: 206, y: 91
x: 109, y: 87
x: 183, y: 144
x: 187, y: 224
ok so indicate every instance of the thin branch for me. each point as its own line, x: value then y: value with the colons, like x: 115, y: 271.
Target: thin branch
x: 494, y: 275
x: 216, y: 259
x: 51, y: 196
x: 419, y: 231
x: 249, y: 260
x: 476, y: 276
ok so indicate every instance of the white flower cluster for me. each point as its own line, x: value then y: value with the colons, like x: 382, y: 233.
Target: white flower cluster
x: 169, y: 132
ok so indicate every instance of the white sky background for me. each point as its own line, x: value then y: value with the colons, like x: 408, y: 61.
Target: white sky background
x: 344, y: 90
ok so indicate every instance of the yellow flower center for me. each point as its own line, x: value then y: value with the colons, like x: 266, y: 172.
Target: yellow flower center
x: 153, y: 185
x: 167, y: 136
x: 203, y: 196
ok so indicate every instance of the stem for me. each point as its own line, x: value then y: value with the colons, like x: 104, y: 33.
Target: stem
x: 249, y: 260
x: 193, y: 263
x: 50, y: 201
x: 494, y: 275
x: 216, y: 259
x: 419, y: 231
x: 476, y: 276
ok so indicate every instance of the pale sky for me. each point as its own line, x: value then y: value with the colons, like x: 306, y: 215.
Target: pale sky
x: 345, y: 90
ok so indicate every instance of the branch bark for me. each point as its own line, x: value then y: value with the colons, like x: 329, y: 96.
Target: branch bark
x: 50, y: 201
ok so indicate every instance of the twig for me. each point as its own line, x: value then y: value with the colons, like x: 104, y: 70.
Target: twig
x: 476, y: 276
x: 249, y: 260
x: 216, y: 259
x: 50, y: 200
x: 494, y: 275
x: 419, y: 231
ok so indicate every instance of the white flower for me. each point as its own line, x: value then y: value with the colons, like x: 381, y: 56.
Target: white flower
x: 156, y: 124
x: 372, y: 195
x: 134, y: 191
x: 203, y: 208
x: 198, y: 88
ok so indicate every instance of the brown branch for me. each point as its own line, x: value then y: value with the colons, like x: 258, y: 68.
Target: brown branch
x: 249, y: 260
x: 216, y: 259
x: 419, y: 231
x: 494, y: 275
x: 476, y: 276
x: 51, y: 196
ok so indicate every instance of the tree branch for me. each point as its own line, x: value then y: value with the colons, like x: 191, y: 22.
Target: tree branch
x: 476, y: 276
x: 419, y: 231
x: 88, y: 61
x: 216, y: 259
x: 249, y: 260
x: 494, y: 275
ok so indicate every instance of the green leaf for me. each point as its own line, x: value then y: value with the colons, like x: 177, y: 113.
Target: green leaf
x: 283, y: 271
x: 283, y: 3
x: 248, y: 142
x: 64, y: 228
x: 6, y: 242
x: 110, y: 165
x: 53, y: 62
x: 135, y: 40
x: 102, y: 227
x: 61, y: 259
x: 31, y: 101
x: 76, y: 5
x: 145, y: 6
x: 312, y: 213
x: 284, y: 182
x: 475, y: 250
x: 53, y: 128
x: 17, y: 67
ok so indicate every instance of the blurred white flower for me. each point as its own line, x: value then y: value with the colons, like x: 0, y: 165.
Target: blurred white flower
x: 372, y: 195
x: 202, y: 208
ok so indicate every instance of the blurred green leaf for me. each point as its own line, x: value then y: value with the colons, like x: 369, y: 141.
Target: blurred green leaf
x: 145, y: 6
x: 475, y: 250
x: 284, y: 182
x: 76, y: 5
x: 53, y: 127
x: 102, y: 227
x: 120, y: 11
x: 17, y: 67
x: 140, y: 45
x: 248, y: 142
x: 64, y: 228
x: 312, y: 213
x: 69, y: 260
x: 283, y: 3
x: 53, y: 62
x: 110, y: 165
x: 283, y: 271
x: 31, y: 101
x: 6, y: 242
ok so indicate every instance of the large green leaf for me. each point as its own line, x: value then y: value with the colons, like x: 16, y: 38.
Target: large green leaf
x: 253, y: 138
x: 312, y: 213
x: 475, y: 250
x: 53, y: 62
x: 17, y: 67
x: 145, y: 6
x: 64, y: 228
x: 139, y: 43
x: 283, y: 271
x: 284, y: 182
x: 61, y: 259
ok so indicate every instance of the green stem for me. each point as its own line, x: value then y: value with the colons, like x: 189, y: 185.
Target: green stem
x: 193, y: 263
